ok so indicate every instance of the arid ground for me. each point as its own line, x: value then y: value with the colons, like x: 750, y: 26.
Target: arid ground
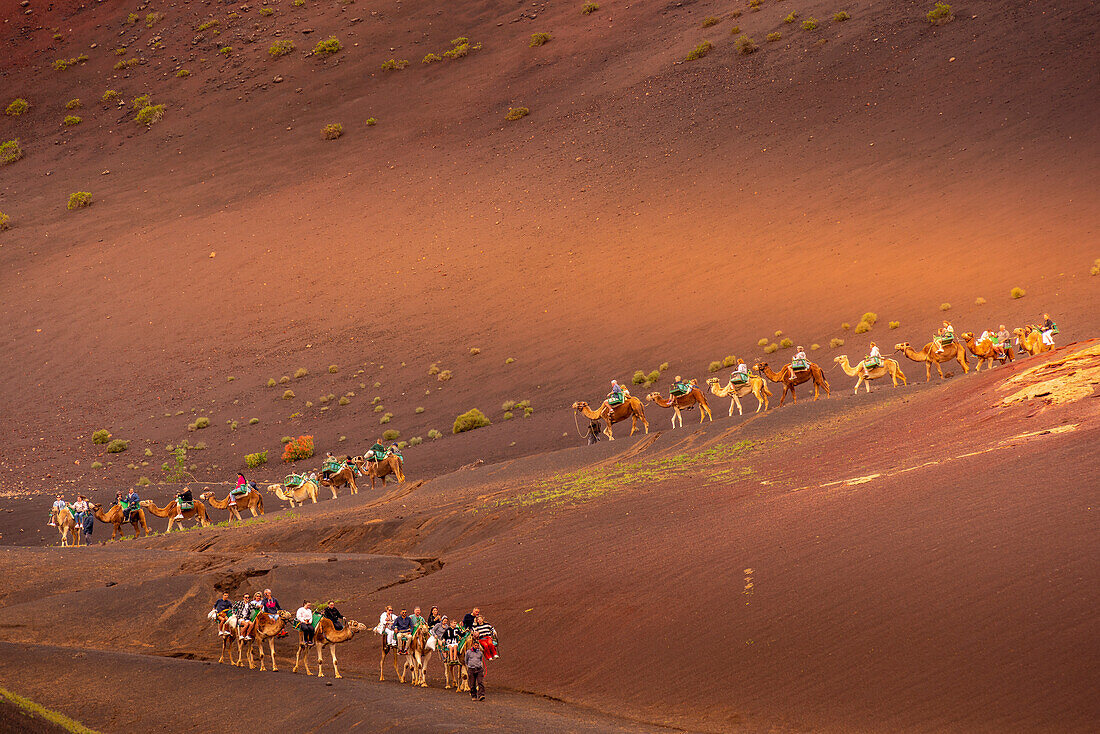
x: 914, y: 559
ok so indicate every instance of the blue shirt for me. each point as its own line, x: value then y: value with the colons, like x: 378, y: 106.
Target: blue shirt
x: 402, y: 624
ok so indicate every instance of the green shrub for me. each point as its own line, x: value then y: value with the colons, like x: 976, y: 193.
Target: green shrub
x: 61, y: 64
x: 515, y: 113
x: 589, y: 8
x: 836, y: 343
x: 653, y: 376
x: 846, y: 326
x: 140, y: 102
x: 79, y: 200
x: 152, y: 19
x: 97, y: 465
x: 127, y: 63
x: 664, y: 366
x: 386, y: 418
x: 4, y: 221
x: 638, y: 378
x: 434, y: 434
x: 442, y: 376
x: 735, y: 30
x: 225, y: 50
x: 539, y: 39
x: 791, y: 18
x: 470, y: 420
x: 282, y: 47
x: 132, y: 18
x: 810, y: 24
x: 298, y: 3
x: 284, y: 379
x: 862, y: 327
x: 786, y: 343
x: 390, y: 435
x: 10, y: 151
x: 894, y: 324
x: 286, y: 439
x: 508, y: 415
x: 394, y: 64
x: 144, y: 482
x: 182, y: 73
x: 208, y: 24
x: 344, y: 401
x: 773, y: 37
x: 510, y: 360
x: 474, y: 351
x: 101, y: 436
x: 773, y: 347
x: 301, y: 372
x: 257, y: 459
x: 940, y: 14
x: 462, y: 48
x: 271, y: 382
x: 73, y: 104
x: 870, y: 317
x: 945, y: 306
x: 288, y: 395
x: 815, y: 347
x: 1018, y: 293
x: 267, y: 11
x: 1095, y: 269
x: 71, y: 120
x: 711, y: 20
x: 508, y: 405
x: 416, y: 441
x: 117, y: 446
x: 431, y: 58
x: 762, y: 342
x: 109, y: 96
x: 332, y: 131
x: 253, y: 421
x: 841, y: 16
x: 714, y: 366
x: 434, y: 369
x: 202, y: 422
x: 333, y: 369
x: 745, y: 45
x: 700, y: 51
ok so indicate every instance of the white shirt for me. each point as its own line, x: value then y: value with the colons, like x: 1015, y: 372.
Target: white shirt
x: 875, y: 352
x: 304, y: 615
x: 983, y: 337
x: 743, y: 368
x: 386, y: 620
x: 59, y: 504
x: 800, y: 355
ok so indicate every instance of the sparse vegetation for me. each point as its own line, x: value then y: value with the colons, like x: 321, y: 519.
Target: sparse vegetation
x: 979, y: 301
x: 5, y: 221
x: 109, y: 96
x: 394, y: 64
x: 288, y: 395
x: 386, y: 418
x: 862, y: 327
x: 282, y: 47
x: 225, y: 50
x: 815, y: 347
x: 755, y: 4
x: 735, y: 30
x: 182, y: 74
x: 791, y: 18
x: 97, y: 464
x: 1018, y: 293
x: 1095, y: 269
x: 79, y: 200
x: 834, y: 343
x: 762, y: 342
x: 431, y: 58
x: 711, y: 20
x: 539, y: 39
x: 771, y: 348
x: 72, y: 104
x: 509, y: 415
x: 474, y: 351
x: 298, y: 3
x: 434, y: 434
x: 940, y: 14
x: 700, y: 51
x: 714, y: 366
x: 298, y: 449
x: 444, y: 376
x: 127, y: 63
x: 10, y: 151
x: 779, y: 333
x: 846, y: 326
x: 202, y: 422
x: 257, y: 459
x: 267, y: 11
x: 144, y: 481
x: 253, y: 421
x: 810, y: 24
x: 301, y: 372
x: 589, y: 8
x: 894, y: 324
x: 391, y: 435
x: 117, y: 446
x: 510, y: 360
x: 371, y: 122
x: 17, y: 107
x: 786, y: 343
x: 152, y: 19
x: 149, y: 115
x: 207, y: 25
x: 344, y: 401
x: 416, y: 441
x: 745, y: 45
x: 870, y: 317
x: 841, y: 16
x: 140, y: 101
x: 470, y: 420
x: 434, y: 368
x: 773, y: 37
x: 101, y: 436
x: 945, y: 306
x: 515, y: 113
x: 132, y: 18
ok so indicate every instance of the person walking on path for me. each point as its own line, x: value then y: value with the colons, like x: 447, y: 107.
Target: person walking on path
x: 475, y: 670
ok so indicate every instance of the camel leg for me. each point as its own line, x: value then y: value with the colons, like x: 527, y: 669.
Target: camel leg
x: 335, y: 670
x: 262, y: 655
x: 320, y: 659
x: 928, y: 371
x: 381, y: 663
x: 940, y: 370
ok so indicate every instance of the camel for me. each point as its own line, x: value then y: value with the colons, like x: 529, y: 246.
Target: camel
x: 113, y: 517
x: 456, y: 672
x: 756, y: 385
x: 983, y: 350
x: 392, y: 464
x: 253, y: 501
x: 307, y: 490
x: 790, y: 379
x: 227, y: 640
x: 683, y: 402
x: 1031, y: 340
x: 326, y: 634
x: 346, y: 475
x: 387, y: 648
x: 267, y: 628
x: 66, y: 524
x: 889, y: 367
x: 198, y: 510
x: 930, y: 356
x: 631, y: 408
x: 417, y: 657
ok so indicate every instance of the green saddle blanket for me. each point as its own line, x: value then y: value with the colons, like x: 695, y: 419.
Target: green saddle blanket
x: 947, y: 339
x: 240, y: 491
x: 872, y: 362
x: 186, y: 506
x: 616, y: 399
x: 678, y: 389
x: 294, y: 480
x: 398, y: 454
x: 739, y: 378
x: 332, y: 466
x: 799, y: 365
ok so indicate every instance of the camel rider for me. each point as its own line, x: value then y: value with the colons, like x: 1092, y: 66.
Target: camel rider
x: 304, y: 615
x: 333, y: 615
x: 469, y: 617
x: 417, y: 618
x: 377, y: 452
x: 242, y: 610
x: 133, y: 502
x: 872, y: 360
x: 271, y: 606
x: 220, y: 606
x: 81, y: 514
x: 240, y: 489
x: 182, y: 498
x: 741, y: 374
x: 616, y: 396
x: 56, y: 507
x: 486, y: 637
x: 1004, y: 339
x: 946, y: 335
x: 256, y: 606
x: 679, y: 387
x: 452, y: 637
x: 402, y: 630
x: 1048, y: 330
x: 329, y: 461
x: 439, y: 632
x: 800, y: 362
x: 385, y: 625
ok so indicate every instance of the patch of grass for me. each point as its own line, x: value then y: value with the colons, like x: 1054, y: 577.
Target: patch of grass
x: 101, y: 436
x: 791, y: 18
x: 700, y: 51
x: 539, y: 39
x: 434, y: 434
x: 810, y: 24
x: 745, y: 45
x: 841, y: 16
x: 79, y: 200
x: 391, y: 435
x: 771, y: 348
x: 117, y: 446
x: 149, y: 115
x: 773, y: 37
x: 834, y: 343
x: 225, y: 50
x: 945, y: 306
x: 444, y: 376
x: 762, y: 342
x: 589, y: 8
x: 267, y: 11
x: 1018, y: 293
x: 97, y: 464
x: 202, y: 422
x: 394, y: 64
x: 127, y: 63
x: 474, y: 351
x: 431, y: 58
x: 282, y: 47
x: 862, y: 327
x: 711, y: 20
x: 786, y: 343
x: 344, y: 401
x: 714, y: 366
x: 469, y: 421
x: 207, y: 25
x: 73, y: 104
x: 109, y: 96
x: 940, y: 14
x: 894, y: 324
x: 288, y: 395
x: 257, y: 459
x: 515, y: 113
x: 140, y: 101
x: 301, y: 372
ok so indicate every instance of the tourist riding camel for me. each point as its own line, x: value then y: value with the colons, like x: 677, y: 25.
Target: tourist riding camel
x: 295, y: 489
x: 1031, y: 340
x: 249, y: 499
x: 345, y: 475
x: 687, y: 396
x: 756, y: 386
x: 326, y: 635
x: 936, y: 353
x: 886, y: 367
x: 791, y: 379
x: 63, y: 520
x: 114, y: 517
x: 619, y: 406
x: 986, y: 350
x: 391, y: 464
x: 174, y: 510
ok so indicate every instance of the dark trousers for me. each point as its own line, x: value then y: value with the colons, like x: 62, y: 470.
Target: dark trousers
x: 477, y: 681
x: 307, y: 633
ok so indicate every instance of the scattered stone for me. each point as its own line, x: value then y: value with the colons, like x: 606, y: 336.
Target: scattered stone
x: 277, y: 79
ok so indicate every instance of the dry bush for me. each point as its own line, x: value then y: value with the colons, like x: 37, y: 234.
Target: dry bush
x: 894, y: 324
x: 773, y: 347
x: 5, y: 221
x: 791, y: 18
x: 301, y: 372
x: 762, y: 342
x: 474, y: 351
x: 208, y: 24
x: 282, y: 47
x: 539, y: 39
x: 267, y: 11
x: 515, y: 113
x: 945, y: 306
x: 333, y: 369
x: 149, y: 115
x: 72, y: 104
x: 371, y: 122
x: 862, y: 327
x: 444, y: 376
x: 288, y: 395
x: 183, y: 73
x: 773, y: 37
x: 786, y: 343
x: 394, y: 64
x: 745, y: 45
x: 711, y: 20
x: 870, y: 317
x: 589, y: 8
x: 841, y: 16
x: 79, y: 200
x: 431, y: 58
x: 10, y: 151
x: 940, y: 14
x: 700, y: 51
x: 810, y: 24
x: 714, y: 366
x: 834, y: 343
x: 126, y: 63
x: 1018, y: 293
x: 469, y: 421
x: 1095, y: 269
x: 109, y: 96
x: 225, y: 50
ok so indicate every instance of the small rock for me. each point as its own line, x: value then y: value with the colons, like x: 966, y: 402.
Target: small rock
x: 105, y: 172
x: 277, y: 79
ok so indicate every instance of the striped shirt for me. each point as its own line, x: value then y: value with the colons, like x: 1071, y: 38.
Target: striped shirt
x: 485, y: 630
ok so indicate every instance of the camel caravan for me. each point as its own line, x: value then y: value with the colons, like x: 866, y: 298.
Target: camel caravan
x: 991, y: 347
x: 376, y: 465
x: 249, y: 627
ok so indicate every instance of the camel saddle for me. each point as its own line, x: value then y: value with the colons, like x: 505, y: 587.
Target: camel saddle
x: 614, y: 400
x: 872, y: 362
x: 332, y: 466
x: 186, y: 506
x: 679, y: 388
x: 947, y: 339
x: 739, y: 378
x: 799, y: 365
x: 294, y: 480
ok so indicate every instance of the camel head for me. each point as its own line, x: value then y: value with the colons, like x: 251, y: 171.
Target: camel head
x: 356, y: 626
x: 580, y: 405
x: 285, y: 615
x: 712, y: 380
x: 653, y: 396
x: 902, y: 347
x: 1019, y: 331
x: 206, y: 495
x: 841, y: 358
x: 759, y: 366
x: 967, y: 335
